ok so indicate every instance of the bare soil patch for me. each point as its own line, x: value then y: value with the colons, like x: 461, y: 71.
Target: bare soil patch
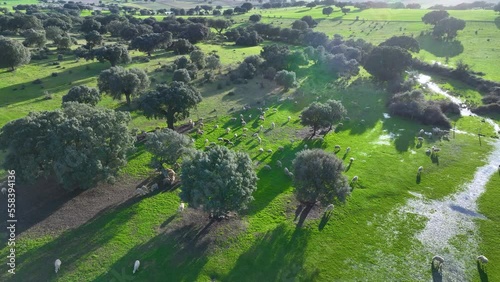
x: 45, y: 208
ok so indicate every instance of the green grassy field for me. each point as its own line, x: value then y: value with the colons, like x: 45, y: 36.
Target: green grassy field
x: 365, y: 239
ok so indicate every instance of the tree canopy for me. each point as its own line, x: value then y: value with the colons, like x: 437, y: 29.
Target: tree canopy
x: 172, y: 102
x: 434, y: 17
x: 117, y: 81
x: 13, y: 53
x: 83, y: 94
x: 167, y: 146
x: 219, y: 180
x: 318, y: 178
x: 149, y: 42
x: 405, y: 42
x: 448, y: 28
x: 287, y: 79
x: 387, y: 62
x: 316, y: 115
x: 79, y: 145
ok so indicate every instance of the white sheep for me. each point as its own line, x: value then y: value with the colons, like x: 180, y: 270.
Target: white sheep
x: 181, y: 207
x: 337, y: 147
x: 354, y: 179
x: 329, y: 208
x: 286, y: 170
x: 261, y: 127
x: 141, y: 191
x: 57, y: 265
x: 212, y: 144
x: 236, y: 135
x: 281, y: 148
x: 439, y: 260
x: 260, y: 139
x: 261, y: 150
x: 269, y: 150
x: 220, y: 139
x: 228, y: 129
x: 136, y: 266
x: 347, y: 150
x: 244, y: 135
x: 482, y: 259
x: 4, y: 190
x: 351, y: 160
x: 255, y: 134
x: 420, y: 169
x: 289, y: 118
x: 420, y: 139
x: 243, y: 123
x: 273, y: 125
x: 245, y: 129
x: 206, y: 141
x: 267, y: 167
x: 216, y: 126
x: 279, y: 164
x: 233, y: 119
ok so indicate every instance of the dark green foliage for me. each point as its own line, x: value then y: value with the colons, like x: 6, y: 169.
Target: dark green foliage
x: 255, y: 18
x: 300, y: 25
x: 89, y: 24
x: 249, y: 68
x: 34, y: 38
x: 83, y: 94
x: 53, y: 32
x: 346, y: 10
x: 341, y: 66
x: 434, y: 17
x: 285, y: 78
x: 63, y: 42
x: 114, y: 54
x: 172, y: 102
x: 149, y: 42
x: 405, y: 42
x: 310, y: 21
x: 198, y: 58
x: 318, y: 178
x: 219, y: 25
x: 275, y: 55
x: 13, y: 53
x: 327, y: 11
x: 213, y: 62
x: 182, y: 46
x: 448, y: 28
x: 181, y: 62
x: 93, y: 38
x: 316, y: 115
x: 249, y: 39
x: 195, y: 33
x: 117, y: 81
x: 181, y: 75
x: 79, y: 145
x: 167, y: 146
x: 219, y: 180
x: 337, y: 111
x: 387, y: 62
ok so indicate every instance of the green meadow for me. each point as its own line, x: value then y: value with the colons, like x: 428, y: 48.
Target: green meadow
x: 366, y: 239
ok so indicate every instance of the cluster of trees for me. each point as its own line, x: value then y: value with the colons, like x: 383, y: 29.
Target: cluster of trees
x: 413, y: 105
x: 186, y: 69
x: 468, y: 6
x: 13, y: 53
x: 444, y: 26
x: 80, y: 145
x: 319, y: 115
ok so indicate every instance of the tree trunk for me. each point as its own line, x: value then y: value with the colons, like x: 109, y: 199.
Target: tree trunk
x: 128, y: 99
x: 170, y: 121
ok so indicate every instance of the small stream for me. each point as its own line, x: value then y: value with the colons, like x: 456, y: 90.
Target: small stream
x: 455, y: 215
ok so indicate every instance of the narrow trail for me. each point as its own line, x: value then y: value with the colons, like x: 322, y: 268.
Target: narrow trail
x: 455, y: 215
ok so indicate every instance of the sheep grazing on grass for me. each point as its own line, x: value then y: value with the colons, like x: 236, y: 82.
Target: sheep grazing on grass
x: 261, y: 150
x: 279, y: 164
x: 267, y: 167
x: 428, y: 151
x: 191, y: 123
x: 255, y: 134
x: 260, y: 139
x: 337, y: 147
x: 243, y: 123
x: 230, y: 143
x: 233, y: 119
x: 57, y: 265
x: 329, y: 208
x: 420, y: 139
x: 249, y: 116
x: 421, y: 132
x: 273, y: 125
x: 351, y: 160
x: 212, y: 144
x: 289, y: 118
x: 354, y: 179
x: 220, y: 139
x: 206, y: 141
x: 281, y: 148
x: 269, y: 150
x: 4, y: 190
x: 437, y: 262
x: 181, y: 207
x: 245, y: 129
x: 243, y: 135
x: 228, y: 129
x: 347, y: 150
x: 236, y: 135
x: 261, y: 127
x: 262, y: 118
x: 199, y: 132
x: 141, y: 191
x: 137, y: 263
x: 435, y: 150
x: 482, y: 259
x: 216, y: 126
x: 275, y: 110
x: 202, y: 124
x: 420, y: 169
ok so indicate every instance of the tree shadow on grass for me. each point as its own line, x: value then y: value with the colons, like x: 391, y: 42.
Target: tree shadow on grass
x: 278, y: 255
x: 440, y: 48
x: 324, y: 220
x: 166, y: 257
x: 497, y: 22
x: 73, y: 245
